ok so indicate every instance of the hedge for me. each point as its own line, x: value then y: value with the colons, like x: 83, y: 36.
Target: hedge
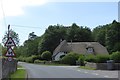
x: 115, y: 56
x: 70, y: 58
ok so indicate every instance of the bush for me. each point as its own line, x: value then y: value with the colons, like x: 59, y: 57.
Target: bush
x: 39, y: 61
x: 102, y: 58
x: 115, y: 56
x: 29, y: 59
x: 70, y: 58
x: 90, y: 58
x: 46, y: 55
x: 21, y: 58
x: 81, y: 59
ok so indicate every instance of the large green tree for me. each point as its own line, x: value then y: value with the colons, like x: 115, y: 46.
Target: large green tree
x: 79, y: 33
x: 52, y: 38
x: 108, y: 35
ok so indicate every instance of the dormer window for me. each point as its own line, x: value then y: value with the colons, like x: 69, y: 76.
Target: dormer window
x: 90, y: 50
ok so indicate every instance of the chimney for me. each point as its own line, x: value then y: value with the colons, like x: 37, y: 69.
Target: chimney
x: 60, y: 40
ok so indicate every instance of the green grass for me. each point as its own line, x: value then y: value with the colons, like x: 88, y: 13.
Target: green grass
x: 52, y: 64
x: 88, y: 68
x: 19, y: 74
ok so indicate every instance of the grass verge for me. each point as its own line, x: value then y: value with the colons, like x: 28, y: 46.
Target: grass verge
x: 52, y: 64
x: 19, y: 74
x: 88, y: 68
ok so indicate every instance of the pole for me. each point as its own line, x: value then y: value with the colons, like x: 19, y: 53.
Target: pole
x: 8, y: 30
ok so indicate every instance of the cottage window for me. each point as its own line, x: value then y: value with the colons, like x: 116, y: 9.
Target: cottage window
x: 90, y: 50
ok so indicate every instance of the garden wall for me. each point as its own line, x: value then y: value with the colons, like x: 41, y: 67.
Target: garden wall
x: 8, y: 67
x: 103, y: 66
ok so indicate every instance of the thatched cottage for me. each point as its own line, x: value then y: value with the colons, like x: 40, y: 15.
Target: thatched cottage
x: 78, y: 47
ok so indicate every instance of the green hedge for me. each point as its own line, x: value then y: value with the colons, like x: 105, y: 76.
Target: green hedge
x: 39, y: 61
x: 90, y: 58
x: 70, y: 58
x: 97, y: 58
x: 115, y: 56
x: 46, y: 55
x: 81, y: 60
x: 102, y: 58
x: 30, y: 59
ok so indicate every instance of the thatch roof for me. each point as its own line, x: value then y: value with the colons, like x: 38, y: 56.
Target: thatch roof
x: 79, y: 47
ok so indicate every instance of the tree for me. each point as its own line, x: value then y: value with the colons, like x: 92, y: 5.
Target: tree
x: 46, y: 55
x: 32, y: 36
x: 99, y: 34
x: 108, y: 35
x: 112, y: 37
x: 13, y: 35
x: 51, y: 38
x: 77, y: 34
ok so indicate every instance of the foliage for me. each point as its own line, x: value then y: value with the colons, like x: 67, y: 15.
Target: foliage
x: 78, y: 33
x: 90, y: 58
x: 70, y: 58
x: 108, y: 35
x: 30, y: 59
x: 12, y: 34
x: 115, y: 56
x: 32, y: 36
x: 102, y: 58
x: 39, y: 61
x: 46, y: 55
x: 51, y: 38
x: 29, y: 47
x: 81, y: 59
x: 20, y: 73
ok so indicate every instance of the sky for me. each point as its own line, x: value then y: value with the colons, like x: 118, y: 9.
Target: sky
x: 26, y: 16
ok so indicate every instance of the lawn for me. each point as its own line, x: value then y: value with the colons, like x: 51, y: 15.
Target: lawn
x: 20, y: 74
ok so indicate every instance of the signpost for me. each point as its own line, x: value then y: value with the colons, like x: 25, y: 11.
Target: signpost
x: 10, y: 52
x: 9, y: 44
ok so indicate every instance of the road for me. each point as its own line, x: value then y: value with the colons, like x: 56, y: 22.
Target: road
x: 65, y: 72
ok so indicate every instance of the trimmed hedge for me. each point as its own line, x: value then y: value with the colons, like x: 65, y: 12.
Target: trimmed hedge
x: 115, y: 56
x: 70, y: 58
x: 39, y: 61
x: 102, y: 58
x: 30, y: 59
x: 90, y: 58
x: 46, y: 55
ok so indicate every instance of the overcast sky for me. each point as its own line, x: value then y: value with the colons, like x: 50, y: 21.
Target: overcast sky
x: 42, y: 13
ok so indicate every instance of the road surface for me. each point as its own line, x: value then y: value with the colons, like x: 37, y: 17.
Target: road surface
x: 65, y: 72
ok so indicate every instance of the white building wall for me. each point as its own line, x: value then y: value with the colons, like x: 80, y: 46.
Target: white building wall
x: 57, y: 57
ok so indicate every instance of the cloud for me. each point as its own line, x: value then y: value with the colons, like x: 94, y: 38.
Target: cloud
x: 15, y: 7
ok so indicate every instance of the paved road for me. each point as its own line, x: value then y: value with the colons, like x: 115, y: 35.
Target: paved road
x: 44, y: 71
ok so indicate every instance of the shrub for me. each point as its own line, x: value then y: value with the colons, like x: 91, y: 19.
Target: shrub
x: 21, y: 58
x: 46, y: 55
x: 35, y: 57
x: 90, y: 58
x: 29, y: 59
x: 81, y: 59
x: 38, y: 61
x: 115, y: 56
x: 70, y: 58
x: 102, y: 58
